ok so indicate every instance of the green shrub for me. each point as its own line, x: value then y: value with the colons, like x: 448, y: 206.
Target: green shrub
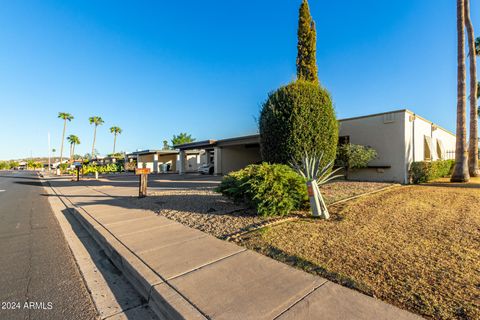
x: 354, y: 156
x: 296, y: 119
x: 63, y: 167
x: 272, y: 189
x: 423, y: 171
x: 92, y: 168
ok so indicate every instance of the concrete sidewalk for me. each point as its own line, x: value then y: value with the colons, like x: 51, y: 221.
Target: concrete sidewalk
x: 186, y: 274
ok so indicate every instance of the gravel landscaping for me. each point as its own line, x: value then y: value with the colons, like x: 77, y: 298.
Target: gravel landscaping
x: 204, y: 209
x: 417, y: 247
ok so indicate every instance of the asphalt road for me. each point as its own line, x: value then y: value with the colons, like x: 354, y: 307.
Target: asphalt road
x: 38, y: 276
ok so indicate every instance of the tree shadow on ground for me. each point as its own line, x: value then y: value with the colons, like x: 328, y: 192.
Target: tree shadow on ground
x: 451, y: 185
x: 310, y: 267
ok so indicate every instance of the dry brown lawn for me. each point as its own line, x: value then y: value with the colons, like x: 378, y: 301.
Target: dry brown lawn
x: 417, y: 247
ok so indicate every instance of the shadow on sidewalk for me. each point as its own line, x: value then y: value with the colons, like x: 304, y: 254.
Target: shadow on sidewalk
x: 125, y: 294
x: 154, y: 181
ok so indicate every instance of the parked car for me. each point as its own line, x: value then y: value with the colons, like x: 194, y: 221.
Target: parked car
x: 206, y: 168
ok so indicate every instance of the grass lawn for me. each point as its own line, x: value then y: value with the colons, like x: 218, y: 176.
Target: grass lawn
x: 417, y: 247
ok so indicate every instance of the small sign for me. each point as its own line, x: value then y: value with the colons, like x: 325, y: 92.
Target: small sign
x: 77, y: 164
x: 310, y: 190
x: 139, y: 171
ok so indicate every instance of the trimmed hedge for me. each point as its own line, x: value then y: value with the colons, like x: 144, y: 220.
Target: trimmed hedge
x: 424, y: 171
x: 271, y: 189
x: 296, y: 119
x: 92, y: 168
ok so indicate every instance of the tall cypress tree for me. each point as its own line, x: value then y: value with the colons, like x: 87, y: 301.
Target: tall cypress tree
x: 306, y: 47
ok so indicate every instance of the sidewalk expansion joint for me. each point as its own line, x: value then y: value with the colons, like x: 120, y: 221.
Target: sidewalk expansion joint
x: 140, y: 231
x: 206, y: 265
x: 301, y: 299
x: 172, y: 244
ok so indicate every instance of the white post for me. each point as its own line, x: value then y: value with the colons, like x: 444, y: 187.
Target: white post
x: 323, y: 206
x: 181, y: 162
x: 96, y: 175
x: 155, y: 163
x: 217, y: 161
x: 313, y: 196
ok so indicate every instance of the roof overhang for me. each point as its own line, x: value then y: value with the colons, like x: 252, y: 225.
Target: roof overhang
x: 147, y: 152
x: 205, y: 144
x: 243, y: 140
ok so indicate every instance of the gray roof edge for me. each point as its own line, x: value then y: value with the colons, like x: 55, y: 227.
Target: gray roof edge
x: 250, y: 136
x: 195, y: 144
x: 398, y: 111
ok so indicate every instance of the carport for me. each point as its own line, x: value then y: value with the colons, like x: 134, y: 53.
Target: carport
x: 153, y: 159
x: 227, y: 155
x: 203, y: 152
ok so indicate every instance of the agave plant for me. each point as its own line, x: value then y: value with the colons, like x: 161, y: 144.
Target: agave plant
x: 316, y: 175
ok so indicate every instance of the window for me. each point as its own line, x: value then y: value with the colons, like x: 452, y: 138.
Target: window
x: 440, y: 149
x: 343, y: 140
x: 427, y: 153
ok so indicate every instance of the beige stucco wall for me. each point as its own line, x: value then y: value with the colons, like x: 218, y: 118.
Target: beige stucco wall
x: 235, y: 158
x: 415, y: 137
x: 447, y: 138
x: 386, y: 138
x: 397, y: 143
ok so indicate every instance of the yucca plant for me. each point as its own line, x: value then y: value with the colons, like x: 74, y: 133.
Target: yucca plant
x: 315, y: 175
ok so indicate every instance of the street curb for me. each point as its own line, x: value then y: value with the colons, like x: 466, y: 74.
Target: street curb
x: 163, y: 299
x: 69, y: 242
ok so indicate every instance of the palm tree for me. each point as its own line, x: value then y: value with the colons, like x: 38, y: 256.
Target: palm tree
x: 97, y: 121
x: 65, y: 116
x: 74, y: 140
x: 115, y: 131
x: 460, y: 171
x: 472, y: 53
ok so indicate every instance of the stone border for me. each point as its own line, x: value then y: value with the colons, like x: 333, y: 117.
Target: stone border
x: 365, y: 194
x: 235, y: 237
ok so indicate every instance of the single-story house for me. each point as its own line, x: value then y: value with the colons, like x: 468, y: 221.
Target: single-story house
x: 168, y: 160
x: 400, y: 137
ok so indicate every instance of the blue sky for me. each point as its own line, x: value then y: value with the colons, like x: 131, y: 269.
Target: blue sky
x: 157, y: 68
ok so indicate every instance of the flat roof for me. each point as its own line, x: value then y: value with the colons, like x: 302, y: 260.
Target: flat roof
x: 248, y: 139
x: 253, y: 138
x: 196, y: 145
x: 398, y: 111
x: 374, y: 115
x: 153, y: 152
